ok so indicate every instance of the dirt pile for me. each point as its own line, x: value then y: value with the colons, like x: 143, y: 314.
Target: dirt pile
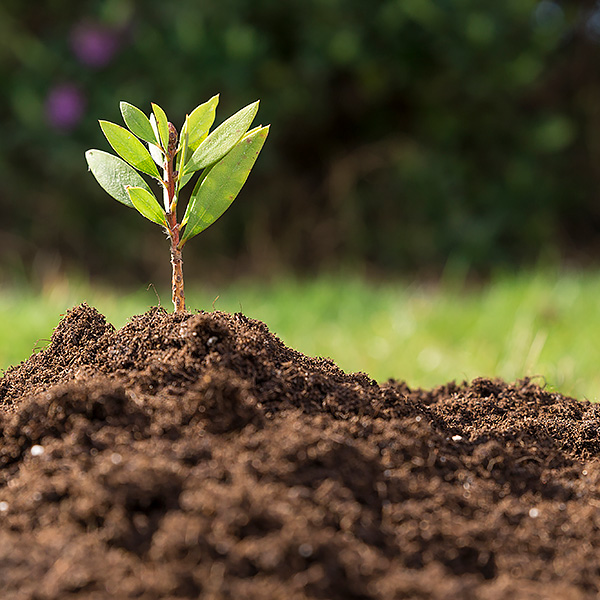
x: 195, y: 455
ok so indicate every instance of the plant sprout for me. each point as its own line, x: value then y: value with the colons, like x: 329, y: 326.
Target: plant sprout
x: 224, y: 159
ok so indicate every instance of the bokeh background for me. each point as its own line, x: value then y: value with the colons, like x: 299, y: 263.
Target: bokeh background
x: 412, y: 141
x: 407, y: 135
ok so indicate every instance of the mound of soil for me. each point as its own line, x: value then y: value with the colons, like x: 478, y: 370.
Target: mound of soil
x: 195, y: 455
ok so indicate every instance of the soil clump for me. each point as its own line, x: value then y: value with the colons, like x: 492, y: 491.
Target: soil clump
x: 196, y: 456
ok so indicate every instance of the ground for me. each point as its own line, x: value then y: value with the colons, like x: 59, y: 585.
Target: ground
x: 195, y: 455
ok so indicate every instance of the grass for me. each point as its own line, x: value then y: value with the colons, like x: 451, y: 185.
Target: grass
x: 535, y: 324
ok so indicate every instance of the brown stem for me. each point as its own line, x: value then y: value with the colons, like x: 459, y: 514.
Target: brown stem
x: 176, y: 263
x: 177, y: 281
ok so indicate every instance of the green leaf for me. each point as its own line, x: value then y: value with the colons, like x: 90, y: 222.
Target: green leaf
x: 222, y: 139
x: 129, y: 148
x: 114, y: 175
x: 214, y: 193
x: 200, y: 121
x: 162, y: 124
x: 137, y: 122
x: 147, y: 205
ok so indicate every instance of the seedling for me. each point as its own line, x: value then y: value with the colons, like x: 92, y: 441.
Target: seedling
x: 224, y: 159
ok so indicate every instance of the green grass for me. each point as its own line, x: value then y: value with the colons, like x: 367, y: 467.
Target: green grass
x: 536, y: 324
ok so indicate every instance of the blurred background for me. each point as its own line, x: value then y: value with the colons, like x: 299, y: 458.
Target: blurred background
x: 411, y: 140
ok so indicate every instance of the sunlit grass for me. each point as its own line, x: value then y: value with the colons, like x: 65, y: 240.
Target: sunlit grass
x: 533, y: 324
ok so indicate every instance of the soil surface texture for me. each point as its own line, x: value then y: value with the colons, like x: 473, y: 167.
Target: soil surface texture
x: 196, y: 456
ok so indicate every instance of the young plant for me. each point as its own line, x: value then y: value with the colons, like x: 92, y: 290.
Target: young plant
x: 224, y: 159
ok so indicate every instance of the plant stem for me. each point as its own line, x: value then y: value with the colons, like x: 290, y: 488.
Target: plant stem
x: 176, y: 259
x: 177, y: 280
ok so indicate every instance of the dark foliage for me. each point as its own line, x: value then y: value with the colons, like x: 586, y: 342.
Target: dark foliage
x: 404, y: 133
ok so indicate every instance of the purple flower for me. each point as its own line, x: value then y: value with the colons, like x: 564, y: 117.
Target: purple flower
x: 93, y: 44
x: 64, y: 106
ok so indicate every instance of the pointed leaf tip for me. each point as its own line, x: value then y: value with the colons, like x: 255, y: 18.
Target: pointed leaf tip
x: 200, y: 121
x: 137, y: 122
x: 162, y: 124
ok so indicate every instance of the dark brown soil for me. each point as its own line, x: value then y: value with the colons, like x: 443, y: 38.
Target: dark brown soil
x: 196, y: 456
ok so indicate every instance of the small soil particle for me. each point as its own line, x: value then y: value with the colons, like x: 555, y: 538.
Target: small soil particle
x: 195, y: 455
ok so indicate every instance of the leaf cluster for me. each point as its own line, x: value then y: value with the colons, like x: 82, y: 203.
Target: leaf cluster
x: 152, y: 146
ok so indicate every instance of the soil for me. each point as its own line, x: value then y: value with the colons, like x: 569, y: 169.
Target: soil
x: 196, y: 456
